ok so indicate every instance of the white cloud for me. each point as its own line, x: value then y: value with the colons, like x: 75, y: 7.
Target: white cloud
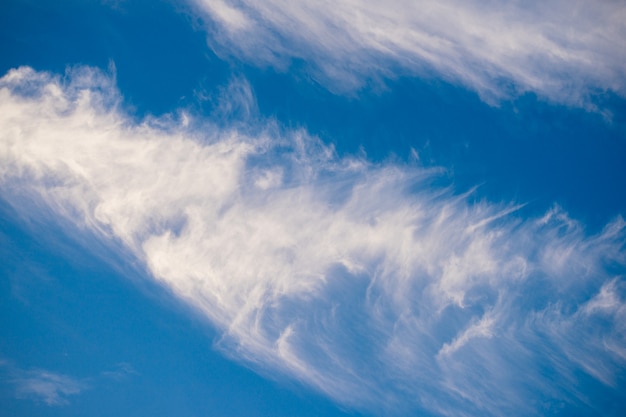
x: 563, y: 50
x: 54, y: 388
x: 362, y: 280
x: 121, y: 372
x: 482, y: 328
x: 49, y: 387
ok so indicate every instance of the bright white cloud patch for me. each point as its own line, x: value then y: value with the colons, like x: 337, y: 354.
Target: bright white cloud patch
x: 365, y: 281
x: 563, y: 50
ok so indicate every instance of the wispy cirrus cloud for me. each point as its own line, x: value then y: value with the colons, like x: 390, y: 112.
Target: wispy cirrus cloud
x: 41, y: 385
x: 56, y: 388
x: 367, y: 282
x: 49, y: 387
x: 565, y: 51
x: 121, y: 372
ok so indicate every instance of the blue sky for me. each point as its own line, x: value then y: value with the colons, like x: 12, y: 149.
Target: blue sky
x: 239, y: 208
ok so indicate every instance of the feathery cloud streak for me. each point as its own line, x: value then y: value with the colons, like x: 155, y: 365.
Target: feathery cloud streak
x: 42, y: 385
x: 365, y: 281
x: 51, y: 388
x: 562, y: 50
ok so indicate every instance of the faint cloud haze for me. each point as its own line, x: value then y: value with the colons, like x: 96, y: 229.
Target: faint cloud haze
x: 53, y: 389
